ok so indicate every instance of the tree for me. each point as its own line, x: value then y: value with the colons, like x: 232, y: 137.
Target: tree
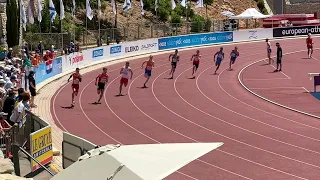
x: 13, y: 23
x: 207, y: 2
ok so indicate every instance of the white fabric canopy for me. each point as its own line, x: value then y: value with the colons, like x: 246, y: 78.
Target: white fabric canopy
x: 135, y: 162
x: 250, y: 13
x: 227, y: 13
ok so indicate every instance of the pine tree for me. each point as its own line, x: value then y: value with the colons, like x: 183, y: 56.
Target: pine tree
x: 13, y: 23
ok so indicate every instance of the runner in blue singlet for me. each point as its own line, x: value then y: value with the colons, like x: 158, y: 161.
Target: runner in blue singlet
x: 218, y: 57
x: 233, y: 56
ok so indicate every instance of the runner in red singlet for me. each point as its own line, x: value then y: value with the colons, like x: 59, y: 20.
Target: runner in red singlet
x: 147, y: 72
x: 101, y: 81
x: 76, y: 79
x: 196, y: 61
x: 310, y: 43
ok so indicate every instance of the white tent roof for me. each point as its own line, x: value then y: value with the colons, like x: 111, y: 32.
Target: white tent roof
x: 250, y: 13
x: 141, y: 162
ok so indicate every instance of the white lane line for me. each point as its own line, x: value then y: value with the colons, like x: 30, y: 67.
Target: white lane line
x: 265, y: 79
x: 276, y: 88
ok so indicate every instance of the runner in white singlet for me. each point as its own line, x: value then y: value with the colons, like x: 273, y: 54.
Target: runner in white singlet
x: 174, y: 60
x: 271, y: 61
x: 126, y: 73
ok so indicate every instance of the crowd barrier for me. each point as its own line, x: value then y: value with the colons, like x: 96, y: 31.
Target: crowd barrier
x: 73, y: 146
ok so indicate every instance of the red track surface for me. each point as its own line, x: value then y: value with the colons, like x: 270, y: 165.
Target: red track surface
x: 261, y: 140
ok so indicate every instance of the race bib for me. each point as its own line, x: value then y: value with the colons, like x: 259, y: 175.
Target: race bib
x: 76, y: 81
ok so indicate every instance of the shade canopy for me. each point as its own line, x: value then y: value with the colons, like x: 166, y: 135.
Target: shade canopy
x: 135, y: 162
x: 250, y: 13
x: 227, y: 13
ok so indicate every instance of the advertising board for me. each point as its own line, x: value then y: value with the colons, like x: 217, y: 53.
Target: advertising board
x: 74, y: 60
x: 41, y: 147
x: 295, y: 31
x: 48, y: 69
x: 139, y: 47
x: 252, y: 34
x: 194, y: 40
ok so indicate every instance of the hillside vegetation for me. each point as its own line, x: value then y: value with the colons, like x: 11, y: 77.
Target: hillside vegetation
x: 131, y: 24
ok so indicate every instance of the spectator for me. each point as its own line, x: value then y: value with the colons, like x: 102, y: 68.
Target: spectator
x: 46, y: 56
x: 19, y: 112
x: 2, y: 40
x: 32, y: 88
x: 4, y: 127
x: 40, y: 48
x: 10, y: 53
x: 2, y: 83
x: 3, y: 54
x: 26, y: 50
x: 8, y: 104
x: 20, y: 93
x: 11, y: 84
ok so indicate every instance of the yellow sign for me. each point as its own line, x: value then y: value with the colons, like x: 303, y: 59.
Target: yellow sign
x: 41, y: 147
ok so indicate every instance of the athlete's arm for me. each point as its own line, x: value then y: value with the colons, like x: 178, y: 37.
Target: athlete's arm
x: 222, y: 55
x: 97, y: 79
x: 170, y: 56
x: 178, y: 57
x: 80, y: 78
x: 121, y: 70
x: 70, y: 77
x: 214, y: 57
x: 191, y: 57
x: 143, y: 64
x: 152, y: 64
x: 131, y: 73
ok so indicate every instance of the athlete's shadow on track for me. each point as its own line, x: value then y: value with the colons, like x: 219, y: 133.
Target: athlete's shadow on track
x: 120, y: 95
x: 142, y: 87
x: 67, y: 107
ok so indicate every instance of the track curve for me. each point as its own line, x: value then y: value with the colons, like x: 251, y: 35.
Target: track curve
x: 262, y: 141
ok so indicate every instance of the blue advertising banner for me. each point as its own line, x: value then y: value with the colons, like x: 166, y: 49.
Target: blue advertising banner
x: 48, y: 69
x: 97, y: 53
x: 115, y: 49
x: 194, y: 40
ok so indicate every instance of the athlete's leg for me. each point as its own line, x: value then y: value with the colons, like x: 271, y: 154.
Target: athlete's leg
x: 120, y: 88
x: 173, y: 70
x: 101, y: 95
x: 311, y: 52
x: 217, y: 69
x: 144, y: 85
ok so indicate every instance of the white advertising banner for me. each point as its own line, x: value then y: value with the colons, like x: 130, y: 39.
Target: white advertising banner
x: 252, y: 34
x: 74, y: 60
x: 140, y: 47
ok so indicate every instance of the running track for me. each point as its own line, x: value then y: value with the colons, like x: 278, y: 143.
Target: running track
x: 261, y: 140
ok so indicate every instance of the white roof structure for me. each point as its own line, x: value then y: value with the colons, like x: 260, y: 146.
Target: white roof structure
x: 135, y: 162
x: 250, y: 13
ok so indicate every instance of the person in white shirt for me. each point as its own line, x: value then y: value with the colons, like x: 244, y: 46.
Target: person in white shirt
x: 19, y: 112
x: 126, y: 73
x: 11, y: 83
x: 269, y: 50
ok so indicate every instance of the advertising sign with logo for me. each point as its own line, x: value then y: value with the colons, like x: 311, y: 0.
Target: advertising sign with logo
x: 74, y: 60
x: 115, y: 50
x: 296, y: 31
x: 194, y: 40
x: 253, y: 34
x: 138, y: 47
x: 41, y: 147
x: 48, y: 69
x: 97, y: 53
